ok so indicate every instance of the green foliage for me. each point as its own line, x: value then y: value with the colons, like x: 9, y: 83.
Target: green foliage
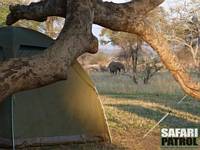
x: 3, y: 11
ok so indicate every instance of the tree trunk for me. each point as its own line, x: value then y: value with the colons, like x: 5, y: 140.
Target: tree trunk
x: 75, y: 39
x: 147, y: 73
x: 134, y: 56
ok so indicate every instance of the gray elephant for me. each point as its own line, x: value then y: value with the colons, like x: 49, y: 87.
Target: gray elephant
x: 116, y: 67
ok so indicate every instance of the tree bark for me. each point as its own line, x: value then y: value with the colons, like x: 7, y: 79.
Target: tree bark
x: 76, y: 38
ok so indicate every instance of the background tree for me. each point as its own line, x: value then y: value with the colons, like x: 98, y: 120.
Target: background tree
x: 184, y: 31
x: 130, y: 45
x: 150, y: 69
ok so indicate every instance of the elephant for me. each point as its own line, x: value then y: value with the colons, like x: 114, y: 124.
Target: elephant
x: 115, y: 67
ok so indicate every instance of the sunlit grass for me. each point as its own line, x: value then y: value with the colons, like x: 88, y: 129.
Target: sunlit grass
x: 160, y: 84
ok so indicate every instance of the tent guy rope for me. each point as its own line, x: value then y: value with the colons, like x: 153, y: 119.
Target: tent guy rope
x: 164, y: 117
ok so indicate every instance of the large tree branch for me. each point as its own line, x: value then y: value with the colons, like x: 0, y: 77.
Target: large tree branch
x: 75, y: 39
x: 38, y: 11
x: 103, y: 10
x: 120, y: 17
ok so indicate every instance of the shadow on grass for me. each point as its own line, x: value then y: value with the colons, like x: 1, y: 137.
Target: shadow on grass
x: 170, y: 121
x: 188, y: 105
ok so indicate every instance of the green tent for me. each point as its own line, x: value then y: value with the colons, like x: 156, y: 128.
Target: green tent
x: 65, y: 112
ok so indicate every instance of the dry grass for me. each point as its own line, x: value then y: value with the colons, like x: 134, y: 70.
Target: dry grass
x: 121, y: 84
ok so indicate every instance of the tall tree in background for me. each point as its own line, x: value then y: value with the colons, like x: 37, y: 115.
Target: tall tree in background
x: 76, y: 39
x: 130, y: 45
x: 184, y: 30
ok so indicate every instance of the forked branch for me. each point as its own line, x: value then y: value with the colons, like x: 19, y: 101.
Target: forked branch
x: 75, y: 39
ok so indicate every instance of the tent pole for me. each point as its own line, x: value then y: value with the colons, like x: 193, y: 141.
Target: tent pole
x: 13, y: 130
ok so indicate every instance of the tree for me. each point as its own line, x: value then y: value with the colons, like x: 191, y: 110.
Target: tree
x: 185, y: 29
x: 76, y: 38
x: 130, y: 45
x: 151, y: 68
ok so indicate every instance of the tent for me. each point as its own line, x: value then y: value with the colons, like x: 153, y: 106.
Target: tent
x: 65, y: 112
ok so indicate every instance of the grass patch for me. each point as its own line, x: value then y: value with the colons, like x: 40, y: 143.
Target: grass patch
x: 134, y: 109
